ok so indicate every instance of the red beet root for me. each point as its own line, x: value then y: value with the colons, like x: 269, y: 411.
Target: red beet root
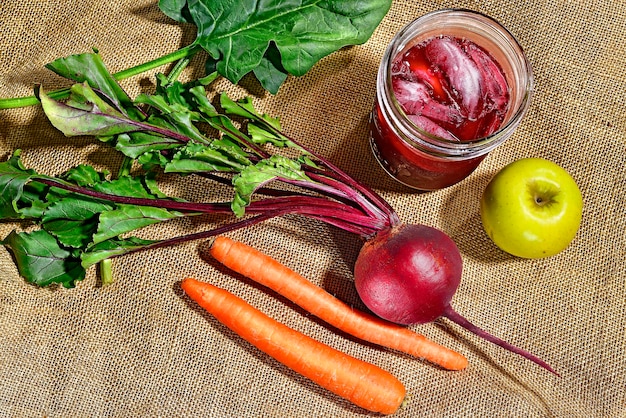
x: 463, y: 73
x: 429, y: 126
x: 495, y: 85
x: 415, y: 99
x: 408, y: 275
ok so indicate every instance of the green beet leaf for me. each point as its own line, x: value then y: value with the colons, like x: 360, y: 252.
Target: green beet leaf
x: 76, y: 208
x: 201, y: 101
x: 275, y: 38
x: 254, y: 176
x: 31, y: 203
x: 263, y: 128
x: 135, y: 144
x: 73, y: 234
x: 73, y: 219
x: 112, y: 248
x: 245, y: 108
x: 90, y: 68
x: 13, y: 178
x: 128, y: 218
x: 126, y: 186
x: 98, y: 118
x: 41, y: 260
x: 84, y: 175
x: 220, y: 155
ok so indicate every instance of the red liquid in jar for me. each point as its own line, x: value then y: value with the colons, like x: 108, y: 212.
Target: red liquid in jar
x: 451, y: 88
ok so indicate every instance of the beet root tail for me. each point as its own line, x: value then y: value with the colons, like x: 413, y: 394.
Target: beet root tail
x: 455, y: 317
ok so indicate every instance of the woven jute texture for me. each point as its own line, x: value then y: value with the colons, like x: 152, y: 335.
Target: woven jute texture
x: 140, y: 348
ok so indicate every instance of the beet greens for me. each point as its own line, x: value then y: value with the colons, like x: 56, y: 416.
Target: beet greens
x: 273, y: 38
x: 85, y: 217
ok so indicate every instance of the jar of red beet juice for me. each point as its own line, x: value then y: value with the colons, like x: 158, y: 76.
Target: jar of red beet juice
x: 453, y: 85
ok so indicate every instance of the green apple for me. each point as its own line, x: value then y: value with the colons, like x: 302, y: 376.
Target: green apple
x: 532, y: 208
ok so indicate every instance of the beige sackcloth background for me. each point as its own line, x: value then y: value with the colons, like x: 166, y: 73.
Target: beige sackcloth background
x: 140, y: 348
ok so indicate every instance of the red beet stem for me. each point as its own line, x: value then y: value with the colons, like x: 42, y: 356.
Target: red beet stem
x: 455, y: 317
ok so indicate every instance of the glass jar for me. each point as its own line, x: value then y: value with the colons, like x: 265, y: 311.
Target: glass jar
x: 420, y: 159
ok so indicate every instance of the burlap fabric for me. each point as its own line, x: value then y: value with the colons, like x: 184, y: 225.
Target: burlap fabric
x: 139, y: 348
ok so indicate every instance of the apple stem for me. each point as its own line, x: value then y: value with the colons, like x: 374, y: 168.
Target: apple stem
x: 455, y: 317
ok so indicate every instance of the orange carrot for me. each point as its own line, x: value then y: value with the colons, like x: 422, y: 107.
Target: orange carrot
x: 362, y: 383
x: 265, y: 270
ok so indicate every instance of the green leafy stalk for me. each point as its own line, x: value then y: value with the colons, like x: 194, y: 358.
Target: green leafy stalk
x: 92, y: 115
x: 83, y: 217
x: 106, y: 272
x: 71, y: 225
x: 181, y: 54
x: 272, y: 39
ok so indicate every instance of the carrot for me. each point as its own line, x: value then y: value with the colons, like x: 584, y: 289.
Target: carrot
x: 362, y: 383
x: 264, y: 270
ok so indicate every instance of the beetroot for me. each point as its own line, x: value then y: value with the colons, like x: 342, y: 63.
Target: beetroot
x: 409, y: 274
